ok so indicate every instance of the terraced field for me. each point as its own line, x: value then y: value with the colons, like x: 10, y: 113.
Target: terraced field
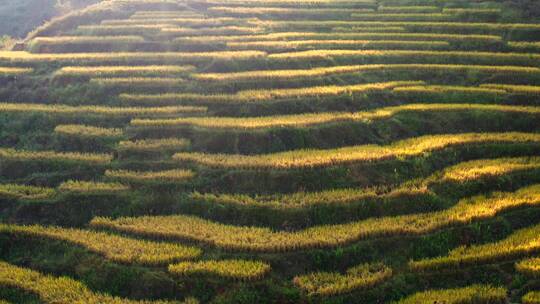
x: 243, y: 151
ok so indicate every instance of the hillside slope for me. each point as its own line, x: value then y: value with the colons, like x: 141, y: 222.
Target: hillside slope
x: 280, y: 151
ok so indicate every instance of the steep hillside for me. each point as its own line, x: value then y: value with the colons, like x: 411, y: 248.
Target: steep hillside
x: 280, y: 151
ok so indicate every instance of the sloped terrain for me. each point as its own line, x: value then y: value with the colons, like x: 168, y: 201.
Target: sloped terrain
x: 241, y: 151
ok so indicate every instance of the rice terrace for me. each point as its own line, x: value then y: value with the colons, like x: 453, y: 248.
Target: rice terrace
x: 270, y: 151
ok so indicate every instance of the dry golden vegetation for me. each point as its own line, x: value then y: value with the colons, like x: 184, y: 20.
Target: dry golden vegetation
x: 8, y: 154
x: 529, y: 266
x: 99, y: 110
x: 519, y: 89
x: 266, y: 95
x: 263, y: 75
x: 520, y: 243
x: 91, y: 187
x: 154, y: 145
x: 231, y: 269
x: 175, y: 175
x: 313, y: 119
x: 532, y: 297
x: 224, y: 30
x: 88, y: 131
x: 467, y: 295
x: 60, y: 290
x: 409, y: 9
x: 265, y: 240
x: 332, y: 283
x: 355, y: 154
x: 114, y: 247
x: 6, y: 71
x: 124, y: 71
x: 449, y: 89
x: 477, y: 169
x: 138, y: 82
x: 15, y: 191
x: 336, y: 44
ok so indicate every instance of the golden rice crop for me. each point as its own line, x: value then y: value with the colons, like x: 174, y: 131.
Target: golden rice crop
x: 332, y: 283
x: 449, y: 89
x: 520, y: 243
x: 124, y: 71
x: 61, y: 40
x: 88, y: 131
x: 471, y: 10
x: 466, y: 295
x: 491, y: 26
x: 335, y: 44
x: 60, y: 290
x: 154, y: 145
x: 14, y: 191
x: 189, y: 57
x: 335, y: 70
x: 121, y: 30
x: 529, y: 266
x: 98, y: 110
x: 6, y: 71
x: 231, y: 269
x: 404, y: 16
x: 448, y: 56
x: 265, y: 95
x: 8, y: 154
x: 224, y: 30
x: 356, y: 34
x: 114, y: 247
x: 409, y: 9
x: 266, y: 240
x: 285, y: 11
x: 519, y: 89
x: 532, y: 297
x: 346, y: 155
x: 90, y: 187
x: 310, y: 119
x: 175, y: 175
x: 521, y: 45
x: 138, y: 82
x: 194, y: 21
x: 476, y: 169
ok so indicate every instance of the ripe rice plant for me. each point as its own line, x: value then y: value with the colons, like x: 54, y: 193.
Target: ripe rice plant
x: 449, y: 89
x: 313, y: 119
x: 60, y: 290
x: 405, y: 17
x: 532, y: 297
x: 264, y: 95
x: 473, y: 294
x: 8, y: 154
x: 175, y: 175
x: 63, y: 40
x: 522, y: 45
x: 131, y: 57
x: 84, y: 131
x: 6, y: 71
x: 239, y: 238
x: 286, y: 11
x: 124, y: 71
x: 121, y: 30
x: 225, y: 30
x: 99, y: 110
x: 230, y: 269
x: 89, y: 187
x: 138, y: 82
x: 262, y: 75
x: 154, y: 145
x: 409, y: 9
x: 519, y: 89
x: 171, y: 21
x: 529, y: 267
x: 405, y: 55
x: 471, y: 10
x: 114, y: 247
x: 355, y: 154
x: 335, y: 44
x: 332, y: 283
x: 476, y: 169
x: 356, y: 34
x: 14, y: 191
x: 519, y: 244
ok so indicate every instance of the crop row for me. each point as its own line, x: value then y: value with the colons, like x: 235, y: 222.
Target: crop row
x: 13, y: 191
x: 175, y: 175
x: 521, y: 243
x: 473, y: 294
x: 265, y: 240
x: 99, y: 110
x: 274, y: 46
x: 332, y: 283
x: 529, y: 267
x: 154, y: 145
x: 264, y: 95
x: 232, y: 269
x: 60, y: 290
x: 313, y: 119
x: 8, y: 154
x: 96, y: 188
x: 124, y: 71
x: 355, y: 154
x: 6, y: 71
x: 114, y: 247
x: 85, y: 131
x: 532, y: 297
x: 138, y: 82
